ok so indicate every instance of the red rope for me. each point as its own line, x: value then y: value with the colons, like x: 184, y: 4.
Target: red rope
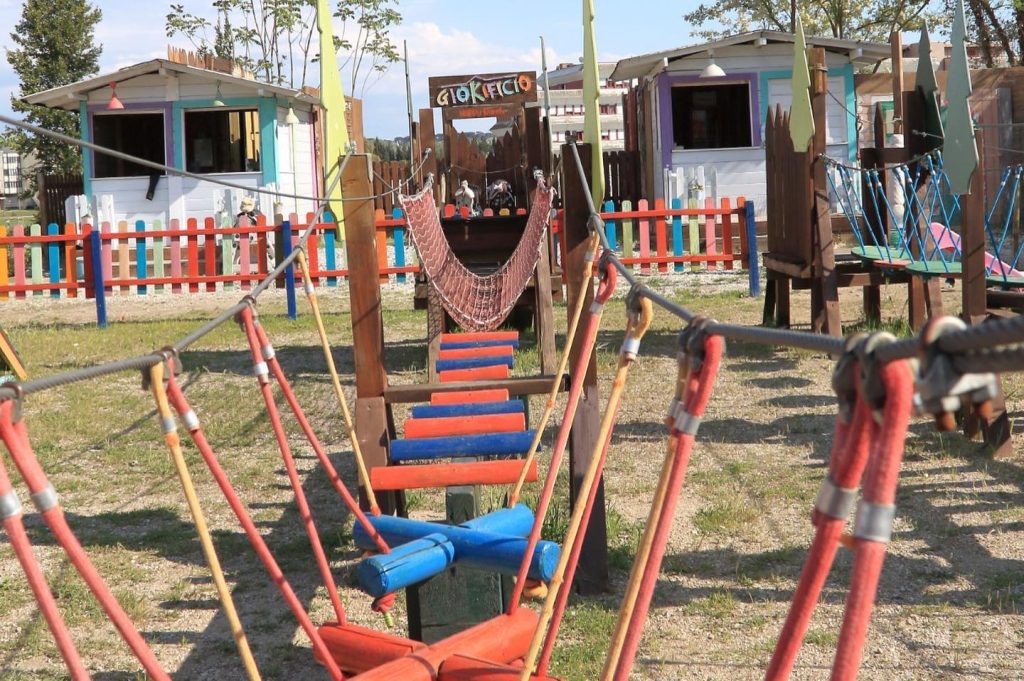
x: 289, y: 464
x: 181, y: 405
x: 332, y: 474
x: 698, y: 394
x: 593, y: 324
x: 15, y: 437
x: 846, y: 467
x: 881, y: 480
x: 37, y: 581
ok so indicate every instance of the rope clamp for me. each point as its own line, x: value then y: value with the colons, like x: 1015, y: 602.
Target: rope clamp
x: 874, y: 521
x: 190, y: 420
x: 268, y: 352
x: 16, y: 403
x: 940, y: 387
x: 45, y: 499
x: 844, y: 376
x: 686, y: 423
x: 10, y: 505
x: 871, y: 386
x: 691, y: 342
x: 169, y: 425
x: 595, y: 224
x: 262, y: 371
x: 834, y: 501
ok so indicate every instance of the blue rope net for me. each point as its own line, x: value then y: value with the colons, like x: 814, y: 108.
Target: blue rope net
x: 906, y: 216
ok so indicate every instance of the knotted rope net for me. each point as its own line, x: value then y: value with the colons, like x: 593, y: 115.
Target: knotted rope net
x: 476, y: 302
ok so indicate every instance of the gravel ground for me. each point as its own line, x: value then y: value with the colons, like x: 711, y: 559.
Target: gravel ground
x: 948, y: 605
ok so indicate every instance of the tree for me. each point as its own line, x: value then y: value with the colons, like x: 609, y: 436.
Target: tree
x: 54, y: 46
x: 275, y: 38
x: 846, y: 19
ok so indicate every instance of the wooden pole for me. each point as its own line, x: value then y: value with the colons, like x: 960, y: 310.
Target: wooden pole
x: 896, y: 43
x: 367, y: 322
x: 825, y: 287
x: 592, y: 575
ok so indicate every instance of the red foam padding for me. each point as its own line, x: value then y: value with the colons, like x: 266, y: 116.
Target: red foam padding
x: 429, y: 476
x: 357, y: 650
x: 470, y: 396
x: 470, y: 353
x: 503, y: 639
x: 464, y: 425
x: 492, y: 373
x: 479, y: 336
x: 464, y: 668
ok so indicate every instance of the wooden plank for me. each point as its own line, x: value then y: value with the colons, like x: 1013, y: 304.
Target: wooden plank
x: 35, y: 251
x: 592, y: 576
x: 124, y: 267
x: 711, y: 234
x: 544, y: 316
x: 193, y: 257
x: 382, y: 246
x: 644, y: 236
x: 627, y: 230
x: 611, y: 227
x: 159, y: 267
x: 972, y: 244
x: 70, y: 263
x: 660, y: 237
x: 210, y: 256
x: 727, y: 234
x: 227, y: 255
x: 244, y: 252
x: 19, y: 261
x: 4, y: 273
x: 827, y: 290
x: 176, y: 254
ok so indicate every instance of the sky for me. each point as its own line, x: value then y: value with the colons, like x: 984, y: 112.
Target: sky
x: 445, y: 37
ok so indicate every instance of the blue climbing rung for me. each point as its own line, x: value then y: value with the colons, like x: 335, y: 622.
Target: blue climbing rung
x: 491, y: 444
x: 474, y: 363
x: 434, y: 411
x: 462, y: 345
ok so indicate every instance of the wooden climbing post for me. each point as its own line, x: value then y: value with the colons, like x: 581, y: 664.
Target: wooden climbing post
x: 825, y: 316
x: 592, y: 574
x: 371, y: 413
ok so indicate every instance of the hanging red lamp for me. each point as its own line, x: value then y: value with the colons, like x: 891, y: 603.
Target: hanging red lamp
x: 114, y: 104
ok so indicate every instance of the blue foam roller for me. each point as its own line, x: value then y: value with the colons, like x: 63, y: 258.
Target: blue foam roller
x: 474, y: 363
x: 406, y: 565
x: 491, y: 444
x: 414, y: 561
x: 474, y: 548
x: 434, y: 411
x: 463, y: 345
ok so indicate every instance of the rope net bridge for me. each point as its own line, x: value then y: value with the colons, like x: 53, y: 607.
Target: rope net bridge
x: 875, y: 384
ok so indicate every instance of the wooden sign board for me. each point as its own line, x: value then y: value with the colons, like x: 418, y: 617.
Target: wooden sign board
x: 485, y: 89
x: 10, y: 362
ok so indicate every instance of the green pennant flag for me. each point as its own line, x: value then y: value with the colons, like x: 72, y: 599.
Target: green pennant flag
x: 960, y: 152
x: 801, y: 119
x: 332, y: 97
x: 928, y: 89
x: 592, y: 103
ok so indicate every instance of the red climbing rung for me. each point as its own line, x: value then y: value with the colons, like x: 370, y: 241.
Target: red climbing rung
x: 465, y: 668
x: 464, y: 425
x: 492, y: 373
x: 429, y: 476
x: 480, y: 336
x: 469, y: 353
x: 502, y: 639
x: 470, y: 396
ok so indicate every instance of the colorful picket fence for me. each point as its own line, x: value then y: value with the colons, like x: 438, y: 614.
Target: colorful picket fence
x: 677, y: 238
x: 139, y: 259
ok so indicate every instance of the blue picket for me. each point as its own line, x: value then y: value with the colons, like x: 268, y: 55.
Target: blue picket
x: 399, y: 233
x: 95, y: 245
x: 140, y: 256
x: 677, y: 232
x: 53, y: 253
x: 330, y: 256
x: 610, y: 227
x: 289, y: 272
x: 755, y: 274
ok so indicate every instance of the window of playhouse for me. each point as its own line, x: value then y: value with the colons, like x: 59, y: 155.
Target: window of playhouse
x: 138, y: 134
x: 711, y: 116
x: 222, y: 141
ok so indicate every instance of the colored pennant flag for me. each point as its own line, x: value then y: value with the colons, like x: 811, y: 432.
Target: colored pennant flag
x: 332, y: 97
x: 592, y: 103
x: 801, y: 119
x: 960, y: 151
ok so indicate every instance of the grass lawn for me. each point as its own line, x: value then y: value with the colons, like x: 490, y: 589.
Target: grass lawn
x: 949, y: 599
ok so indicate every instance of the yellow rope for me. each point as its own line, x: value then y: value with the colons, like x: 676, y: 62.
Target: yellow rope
x: 647, y: 542
x: 556, y: 384
x: 635, y: 329
x: 364, y: 476
x: 170, y: 426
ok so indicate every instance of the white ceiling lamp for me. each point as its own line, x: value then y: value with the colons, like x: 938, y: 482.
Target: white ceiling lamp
x: 291, y: 118
x: 219, y: 100
x: 712, y: 70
